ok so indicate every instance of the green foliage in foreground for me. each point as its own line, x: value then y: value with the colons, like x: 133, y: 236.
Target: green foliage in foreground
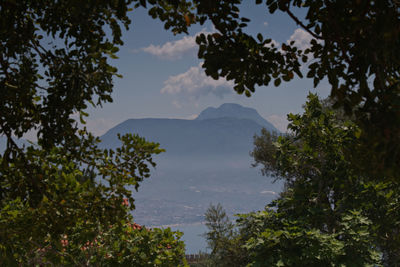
x: 54, y: 63
x: 326, y: 196
x: 329, y: 213
x: 80, y: 213
x: 283, y: 242
x: 116, y: 246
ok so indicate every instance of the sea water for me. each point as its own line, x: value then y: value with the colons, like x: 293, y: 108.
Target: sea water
x: 193, y: 237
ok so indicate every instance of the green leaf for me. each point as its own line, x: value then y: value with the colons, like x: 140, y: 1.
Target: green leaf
x: 260, y: 37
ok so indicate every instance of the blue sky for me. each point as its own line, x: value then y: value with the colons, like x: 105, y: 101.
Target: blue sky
x: 162, y: 77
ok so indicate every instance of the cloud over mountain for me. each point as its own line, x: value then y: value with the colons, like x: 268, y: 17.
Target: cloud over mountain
x: 194, y: 83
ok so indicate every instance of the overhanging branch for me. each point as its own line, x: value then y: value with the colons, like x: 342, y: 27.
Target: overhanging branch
x: 298, y: 22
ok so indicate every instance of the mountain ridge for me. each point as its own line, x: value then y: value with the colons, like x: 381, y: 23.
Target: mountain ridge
x: 233, y: 110
x: 228, y: 129
x: 194, y: 137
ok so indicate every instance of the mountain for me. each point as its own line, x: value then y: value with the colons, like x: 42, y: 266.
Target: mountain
x: 231, y: 110
x: 228, y: 129
x: 206, y: 161
x: 191, y: 137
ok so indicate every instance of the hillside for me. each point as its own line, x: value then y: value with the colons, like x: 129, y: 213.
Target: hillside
x: 231, y: 110
x: 194, y: 137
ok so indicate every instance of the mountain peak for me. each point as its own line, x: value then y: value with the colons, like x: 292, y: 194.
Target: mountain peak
x: 233, y: 110
x: 230, y: 105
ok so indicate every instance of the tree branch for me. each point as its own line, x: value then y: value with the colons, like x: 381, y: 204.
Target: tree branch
x: 298, y: 22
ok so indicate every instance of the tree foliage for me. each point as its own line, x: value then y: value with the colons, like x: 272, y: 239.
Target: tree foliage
x: 341, y: 175
x: 354, y: 47
x: 330, y: 213
x: 280, y: 241
x: 54, y: 61
x: 63, y: 193
x: 223, y: 239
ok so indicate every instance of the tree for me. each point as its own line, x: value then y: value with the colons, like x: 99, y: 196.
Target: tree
x: 222, y: 238
x: 329, y: 213
x: 354, y: 46
x: 274, y: 240
x: 64, y: 192
x: 54, y: 62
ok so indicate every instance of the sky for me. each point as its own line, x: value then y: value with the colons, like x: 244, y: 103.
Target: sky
x: 163, y: 78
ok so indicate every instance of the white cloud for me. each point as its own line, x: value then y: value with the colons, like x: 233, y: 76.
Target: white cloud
x: 174, y: 50
x: 268, y: 192
x: 302, y: 39
x: 177, y: 49
x: 194, y: 83
x: 279, y: 121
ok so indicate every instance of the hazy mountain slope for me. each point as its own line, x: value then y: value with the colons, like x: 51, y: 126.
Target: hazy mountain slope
x: 194, y: 137
x: 231, y: 110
